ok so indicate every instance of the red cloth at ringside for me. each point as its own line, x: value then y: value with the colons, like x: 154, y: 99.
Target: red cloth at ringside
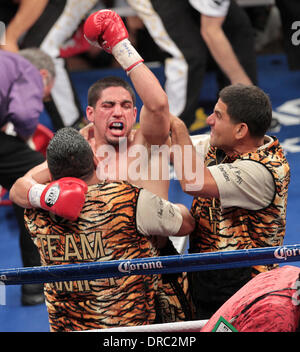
x: 272, y: 313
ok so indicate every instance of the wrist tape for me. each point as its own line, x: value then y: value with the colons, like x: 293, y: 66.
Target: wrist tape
x: 126, y: 55
x: 34, y: 195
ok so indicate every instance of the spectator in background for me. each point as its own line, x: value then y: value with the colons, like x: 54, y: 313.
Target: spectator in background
x: 47, y: 24
x: 26, y: 80
x: 192, y: 31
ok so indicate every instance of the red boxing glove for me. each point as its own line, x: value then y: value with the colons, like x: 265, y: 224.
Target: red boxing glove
x: 64, y: 197
x: 106, y: 28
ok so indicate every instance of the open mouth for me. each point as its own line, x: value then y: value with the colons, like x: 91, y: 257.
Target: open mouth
x: 116, y: 128
x: 119, y: 126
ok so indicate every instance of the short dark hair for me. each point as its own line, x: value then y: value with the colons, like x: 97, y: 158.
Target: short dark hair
x: 248, y: 104
x: 96, y: 89
x: 70, y: 155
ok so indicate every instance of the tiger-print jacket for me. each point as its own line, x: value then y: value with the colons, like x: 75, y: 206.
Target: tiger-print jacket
x: 106, y: 230
x: 232, y: 228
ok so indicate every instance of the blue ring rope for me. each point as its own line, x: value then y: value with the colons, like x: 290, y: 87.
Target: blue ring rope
x: 153, y: 265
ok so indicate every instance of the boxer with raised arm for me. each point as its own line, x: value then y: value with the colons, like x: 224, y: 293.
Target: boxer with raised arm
x: 111, y: 110
x: 108, y: 228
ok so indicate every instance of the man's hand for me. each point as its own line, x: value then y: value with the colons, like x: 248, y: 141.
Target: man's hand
x: 106, y: 28
x: 64, y: 197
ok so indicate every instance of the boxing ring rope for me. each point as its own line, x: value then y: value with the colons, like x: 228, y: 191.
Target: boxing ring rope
x: 152, y: 265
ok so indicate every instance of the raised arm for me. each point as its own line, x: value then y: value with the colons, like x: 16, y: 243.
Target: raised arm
x: 106, y: 28
x: 154, y: 115
x: 194, y: 177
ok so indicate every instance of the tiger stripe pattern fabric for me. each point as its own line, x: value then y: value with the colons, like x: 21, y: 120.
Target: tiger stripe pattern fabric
x: 106, y: 230
x: 232, y: 228
x: 223, y: 229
